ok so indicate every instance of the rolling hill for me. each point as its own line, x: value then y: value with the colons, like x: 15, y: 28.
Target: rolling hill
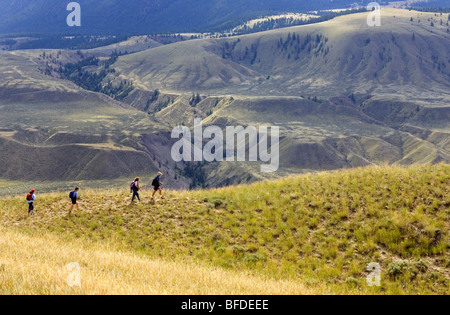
x: 323, y: 59
x: 314, y: 234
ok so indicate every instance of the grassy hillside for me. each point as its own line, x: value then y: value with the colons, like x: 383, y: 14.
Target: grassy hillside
x: 108, y: 271
x: 317, y: 230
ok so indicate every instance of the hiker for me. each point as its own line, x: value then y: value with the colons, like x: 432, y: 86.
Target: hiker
x: 157, y: 185
x: 31, y: 198
x: 74, y: 198
x: 135, y: 188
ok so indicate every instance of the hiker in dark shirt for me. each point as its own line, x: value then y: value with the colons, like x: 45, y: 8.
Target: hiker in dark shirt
x: 135, y: 188
x: 74, y: 198
x: 157, y: 185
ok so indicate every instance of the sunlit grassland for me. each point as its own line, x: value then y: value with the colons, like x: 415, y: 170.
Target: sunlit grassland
x: 38, y: 264
x: 320, y: 230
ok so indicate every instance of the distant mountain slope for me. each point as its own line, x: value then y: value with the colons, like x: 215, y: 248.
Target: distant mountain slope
x: 342, y: 94
x: 143, y: 16
x: 326, y: 59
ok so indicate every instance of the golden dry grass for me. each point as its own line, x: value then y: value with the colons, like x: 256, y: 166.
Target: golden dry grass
x: 38, y: 265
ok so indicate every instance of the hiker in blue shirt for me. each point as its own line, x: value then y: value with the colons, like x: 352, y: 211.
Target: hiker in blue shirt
x: 31, y: 198
x: 157, y: 185
x: 74, y: 198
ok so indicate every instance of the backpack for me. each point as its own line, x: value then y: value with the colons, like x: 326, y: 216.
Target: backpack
x: 155, y: 182
x: 29, y: 197
x: 72, y: 195
x: 133, y: 185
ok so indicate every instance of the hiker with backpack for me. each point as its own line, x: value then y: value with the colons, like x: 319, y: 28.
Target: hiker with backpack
x: 135, y: 188
x: 74, y: 198
x: 31, y: 198
x: 157, y: 185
